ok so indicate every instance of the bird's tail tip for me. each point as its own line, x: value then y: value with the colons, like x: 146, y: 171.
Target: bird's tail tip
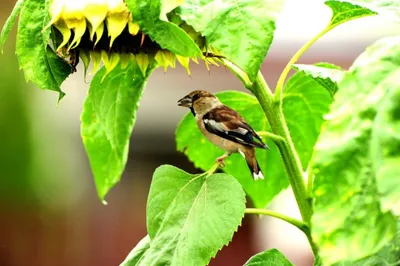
x: 258, y: 176
x: 255, y: 170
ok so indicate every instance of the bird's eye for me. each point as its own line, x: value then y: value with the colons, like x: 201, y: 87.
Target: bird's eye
x: 195, y: 97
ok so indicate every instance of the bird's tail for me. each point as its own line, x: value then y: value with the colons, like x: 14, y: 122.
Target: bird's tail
x: 254, y: 167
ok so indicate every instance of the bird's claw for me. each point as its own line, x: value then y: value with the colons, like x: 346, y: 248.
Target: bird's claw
x: 221, y: 161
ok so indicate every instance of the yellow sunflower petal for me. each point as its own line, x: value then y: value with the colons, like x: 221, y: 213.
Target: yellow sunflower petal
x: 85, y: 57
x: 143, y: 62
x: 124, y: 59
x: 96, y: 58
x: 99, y: 33
x: 56, y: 9
x: 184, y: 61
x: 110, y: 62
x: 117, y: 18
x: 95, y: 12
x: 133, y: 28
x: 65, y: 31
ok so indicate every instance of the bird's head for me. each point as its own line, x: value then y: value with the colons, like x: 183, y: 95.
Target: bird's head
x: 199, y: 102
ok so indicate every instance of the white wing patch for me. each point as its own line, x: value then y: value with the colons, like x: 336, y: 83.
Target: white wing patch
x: 216, y: 125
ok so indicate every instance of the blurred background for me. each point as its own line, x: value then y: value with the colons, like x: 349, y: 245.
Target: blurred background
x: 49, y: 210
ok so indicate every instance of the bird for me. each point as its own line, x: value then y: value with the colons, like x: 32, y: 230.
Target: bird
x: 225, y: 128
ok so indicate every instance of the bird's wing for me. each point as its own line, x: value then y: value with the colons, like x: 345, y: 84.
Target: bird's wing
x: 228, y: 124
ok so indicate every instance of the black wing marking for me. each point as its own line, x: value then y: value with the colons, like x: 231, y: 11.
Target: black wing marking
x: 226, y: 123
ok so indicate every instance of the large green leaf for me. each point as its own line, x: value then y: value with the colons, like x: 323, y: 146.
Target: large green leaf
x: 10, y: 23
x: 305, y: 101
x: 166, y: 34
x: 389, y: 255
x: 357, y: 156
x: 203, y: 153
x: 36, y: 58
x: 327, y: 75
x: 137, y: 252
x: 242, y: 31
x: 109, y: 114
x: 343, y: 11
x: 388, y: 8
x: 191, y: 217
x: 268, y: 258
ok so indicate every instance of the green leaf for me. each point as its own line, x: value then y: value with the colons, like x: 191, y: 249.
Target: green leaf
x: 388, y: 8
x: 242, y: 31
x: 355, y: 156
x: 168, y: 35
x: 268, y: 258
x: 36, y: 58
x: 305, y: 102
x: 191, y: 217
x: 327, y: 75
x: 137, y: 253
x: 388, y: 255
x: 203, y: 153
x: 10, y: 23
x: 343, y: 11
x: 108, y: 117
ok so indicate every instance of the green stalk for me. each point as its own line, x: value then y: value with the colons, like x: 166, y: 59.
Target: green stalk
x: 299, y: 224
x: 275, y: 138
x: 290, y: 158
x: 300, y: 52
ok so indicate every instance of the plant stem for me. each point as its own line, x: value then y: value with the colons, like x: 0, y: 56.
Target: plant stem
x: 285, y: 72
x: 212, y: 170
x: 299, y: 224
x: 238, y: 73
x: 275, y: 138
x: 290, y: 158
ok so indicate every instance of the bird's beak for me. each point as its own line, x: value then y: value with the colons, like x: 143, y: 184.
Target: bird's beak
x: 185, y: 102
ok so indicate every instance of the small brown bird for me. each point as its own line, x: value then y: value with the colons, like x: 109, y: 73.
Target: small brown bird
x: 225, y: 128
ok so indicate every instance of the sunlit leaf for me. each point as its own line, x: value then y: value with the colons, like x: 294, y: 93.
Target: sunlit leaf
x: 35, y: 57
x: 327, y: 75
x: 305, y: 101
x: 10, y: 23
x: 268, y: 258
x: 191, y: 217
x: 388, y: 8
x: 137, y: 252
x: 242, y: 31
x: 168, y: 35
x: 343, y: 11
x: 388, y: 255
x: 356, y: 159
x: 108, y: 117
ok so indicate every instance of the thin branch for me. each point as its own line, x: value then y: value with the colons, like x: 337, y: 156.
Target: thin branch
x: 299, y: 224
x: 275, y: 138
x: 293, y: 60
x: 238, y: 73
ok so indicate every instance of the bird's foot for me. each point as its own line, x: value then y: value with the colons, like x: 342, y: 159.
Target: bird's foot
x: 221, y: 160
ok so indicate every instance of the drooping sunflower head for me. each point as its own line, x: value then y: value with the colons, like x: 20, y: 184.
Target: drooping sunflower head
x: 104, y: 31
